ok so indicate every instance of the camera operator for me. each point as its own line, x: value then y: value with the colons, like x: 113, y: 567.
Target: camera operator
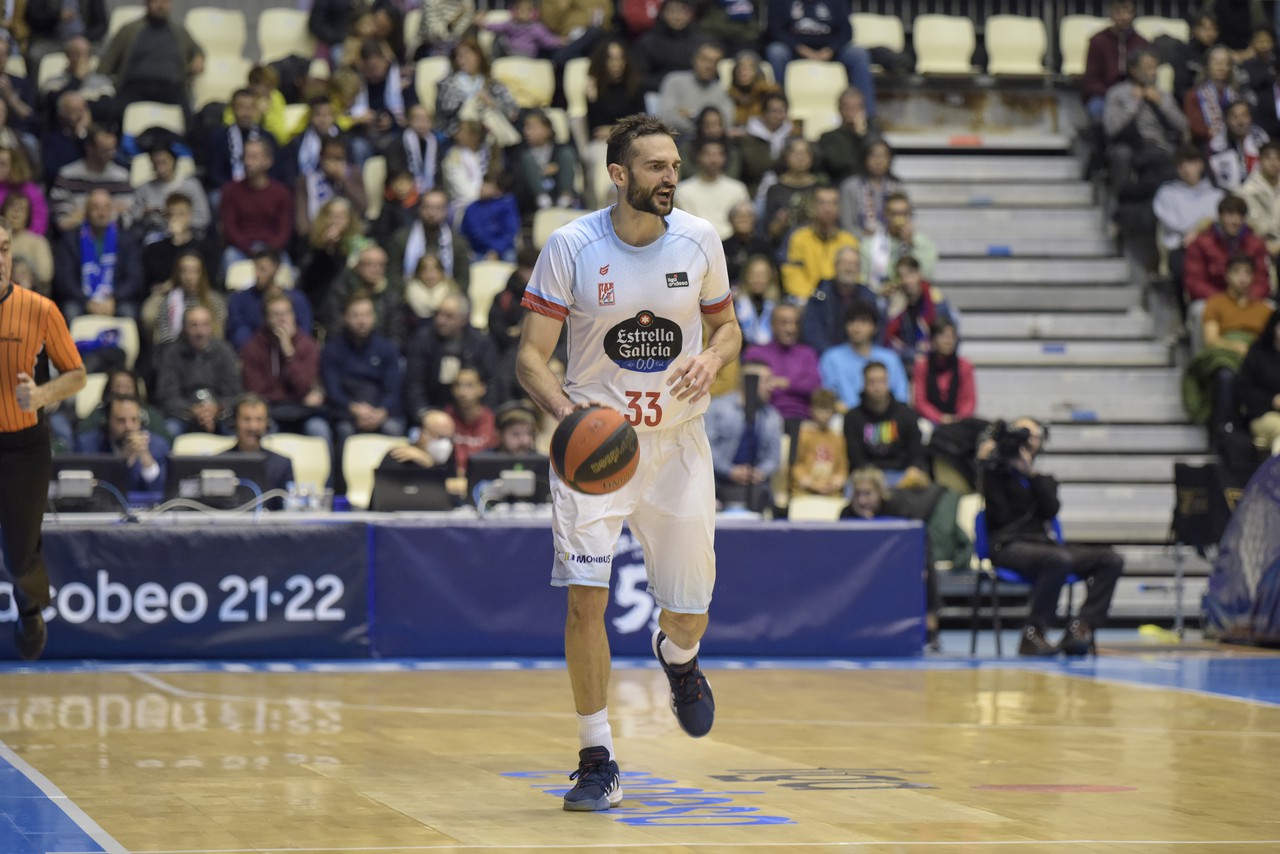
x: 1021, y: 505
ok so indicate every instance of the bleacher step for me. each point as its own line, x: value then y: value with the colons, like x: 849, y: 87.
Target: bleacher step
x: 1130, y: 395
x: 1049, y: 325
x: 1068, y: 353
x: 955, y: 193
x: 962, y: 167
x: 1114, y: 468
x: 1112, y: 513
x: 1127, y: 438
x: 989, y: 225
x: 1046, y: 271
x: 1065, y: 298
x: 1023, y: 246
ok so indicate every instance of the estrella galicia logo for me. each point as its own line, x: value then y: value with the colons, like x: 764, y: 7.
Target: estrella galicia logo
x: 645, y: 343
x: 677, y: 280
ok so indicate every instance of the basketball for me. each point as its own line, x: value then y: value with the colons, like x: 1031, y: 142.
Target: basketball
x: 595, y: 450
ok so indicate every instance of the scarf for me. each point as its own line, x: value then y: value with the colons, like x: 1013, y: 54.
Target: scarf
x: 235, y: 143
x: 175, y: 305
x: 98, y: 272
x: 416, y: 247
x: 392, y: 96
x: 421, y: 166
x: 777, y: 139
x: 319, y: 191
x: 1231, y: 166
x: 309, y: 151
x: 939, y: 366
x: 1212, y: 106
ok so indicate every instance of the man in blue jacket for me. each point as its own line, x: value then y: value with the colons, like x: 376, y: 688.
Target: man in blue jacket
x: 362, y: 376
x: 818, y: 29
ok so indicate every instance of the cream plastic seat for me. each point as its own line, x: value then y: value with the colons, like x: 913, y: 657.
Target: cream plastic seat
x: 1074, y: 33
x: 121, y: 16
x: 427, y: 74
x: 240, y: 275
x: 283, y: 32
x: 944, y: 44
x: 141, y: 170
x: 815, y: 508
x: 532, y: 82
x: 361, y: 454
x: 219, y: 32
x: 374, y: 174
x: 88, y: 398
x: 812, y: 84
x: 141, y: 115
x: 870, y: 30
x: 1150, y: 27
x: 87, y: 327
x: 1016, y: 45
x: 548, y: 220
x: 488, y: 279
x: 575, y: 86
x: 309, y: 455
x: 223, y: 75
x: 201, y: 444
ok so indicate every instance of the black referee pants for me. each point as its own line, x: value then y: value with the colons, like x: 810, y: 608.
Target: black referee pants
x: 25, y: 468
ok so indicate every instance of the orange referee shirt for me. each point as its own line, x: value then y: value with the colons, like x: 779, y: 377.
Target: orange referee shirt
x: 28, y: 324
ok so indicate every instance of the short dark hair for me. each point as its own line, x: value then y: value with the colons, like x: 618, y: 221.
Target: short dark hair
x: 1239, y: 259
x: 1273, y: 145
x: 774, y: 96
x: 897, y: 197
x: 111, y: 401
x: 861, y: 311
x: 1235, y: 104
x: 873, y: 366
x: 909, y: 262
x: 358, y: 295
x: 1186, y: 153
x: 246, y: 399
x: 628, y: 130
x: 178, y: 199
x: 709, y: 141
x: 1232, y: 204
x: 243, y: 93
x: 1138, y: 55
x: 15, y: 199
x: 266, y: 253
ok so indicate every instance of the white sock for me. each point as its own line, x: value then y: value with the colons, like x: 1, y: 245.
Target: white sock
x: 594, y: 731
x: 675, y: 655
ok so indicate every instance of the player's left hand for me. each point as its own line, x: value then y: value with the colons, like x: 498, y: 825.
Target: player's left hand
x: 30, y: 397
x: 692, y: 380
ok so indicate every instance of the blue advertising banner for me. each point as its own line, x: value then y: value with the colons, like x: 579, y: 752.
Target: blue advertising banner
x: 482, y: 589
x: 187, y: 590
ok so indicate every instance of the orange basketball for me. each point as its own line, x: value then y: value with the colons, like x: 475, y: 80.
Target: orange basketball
x: 595, y: 450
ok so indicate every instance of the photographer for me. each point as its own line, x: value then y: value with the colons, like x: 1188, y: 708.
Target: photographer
x: 1021, y: 504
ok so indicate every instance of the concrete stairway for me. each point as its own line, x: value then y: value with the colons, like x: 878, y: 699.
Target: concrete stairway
x: 1054, y: 322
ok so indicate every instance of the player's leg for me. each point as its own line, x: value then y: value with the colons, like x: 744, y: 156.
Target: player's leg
x: 26, y: 472
x: 675, y: 524
x: 586, y: 529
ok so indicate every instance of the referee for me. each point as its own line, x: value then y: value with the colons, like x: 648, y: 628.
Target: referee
x: 29, y: 324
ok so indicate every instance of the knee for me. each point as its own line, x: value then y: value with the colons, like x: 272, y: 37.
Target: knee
x: 854, y: 55
x: 586, y: 604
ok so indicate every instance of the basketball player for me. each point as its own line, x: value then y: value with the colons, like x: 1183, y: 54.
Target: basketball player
x: 29, y: 324
x: 635, y: 282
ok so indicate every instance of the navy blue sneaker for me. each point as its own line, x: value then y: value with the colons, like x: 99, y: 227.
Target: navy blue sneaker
x: 691, y: 699
x: 599, y: 782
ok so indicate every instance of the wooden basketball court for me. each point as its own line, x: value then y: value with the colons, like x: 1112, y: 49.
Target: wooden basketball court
x: 1122, y: 754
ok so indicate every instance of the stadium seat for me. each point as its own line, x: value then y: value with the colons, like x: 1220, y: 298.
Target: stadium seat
x: 412, y: 21
x: 296, y: 117
x: 375, y: 184
x: 140, y: 171
x: 1074, y: 33
x: 993, y: 575
x: 361, y: 454
x: 201, y: 444
x: 548, y: 220
x: 121, y: 16
x: 815, y: 508
x: 600, y: 190
x: 51, y: 66
x: 781, y: 480
x: 575, y: 86
x: 240, y: 275
x: 871, y: 30
x: 486, y: 37
x: 427, y: 73
x: 488, y: 279
x: 1150, y: 27
x: 141, y: 115
x: 811, y: 84
x: 815, y: 122
x: 944, y: 44
x: 219, y: 32
x: 532, y: 82
x: 1016, y: 45
x: 88, y: 398
x: 309, y: 455
x: 283, y: 32
x: 222, y: 75
x: 87, y: 327
x: 559, y: 124
x: 16, y: 65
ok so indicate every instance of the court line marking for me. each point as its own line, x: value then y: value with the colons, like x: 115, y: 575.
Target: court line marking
x: 64, y: 803
x: 667, y: 846
x: 161, y: 685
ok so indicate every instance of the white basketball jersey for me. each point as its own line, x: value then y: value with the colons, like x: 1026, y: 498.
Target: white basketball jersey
x: 634, y: 313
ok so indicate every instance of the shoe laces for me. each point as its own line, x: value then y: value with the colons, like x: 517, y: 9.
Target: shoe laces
x: 687, y: 687
x: 592, y: 771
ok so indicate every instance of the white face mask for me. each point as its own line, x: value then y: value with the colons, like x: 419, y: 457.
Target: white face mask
x: 440, y: 449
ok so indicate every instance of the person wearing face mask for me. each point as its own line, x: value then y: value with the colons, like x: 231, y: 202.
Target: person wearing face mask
x: 433, y: 448
x: 249, y: 415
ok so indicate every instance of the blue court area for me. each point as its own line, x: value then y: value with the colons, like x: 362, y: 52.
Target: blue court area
x: 36, y: 818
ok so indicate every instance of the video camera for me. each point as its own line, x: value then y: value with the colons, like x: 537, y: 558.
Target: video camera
x: 1010, y: 441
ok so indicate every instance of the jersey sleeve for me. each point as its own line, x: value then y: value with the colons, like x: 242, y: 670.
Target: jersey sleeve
x: 58, y: 342
x: 715, y: 296
x: 550, y: 288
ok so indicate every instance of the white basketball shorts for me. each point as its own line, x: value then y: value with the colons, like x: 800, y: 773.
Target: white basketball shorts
x: 670, y: 505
